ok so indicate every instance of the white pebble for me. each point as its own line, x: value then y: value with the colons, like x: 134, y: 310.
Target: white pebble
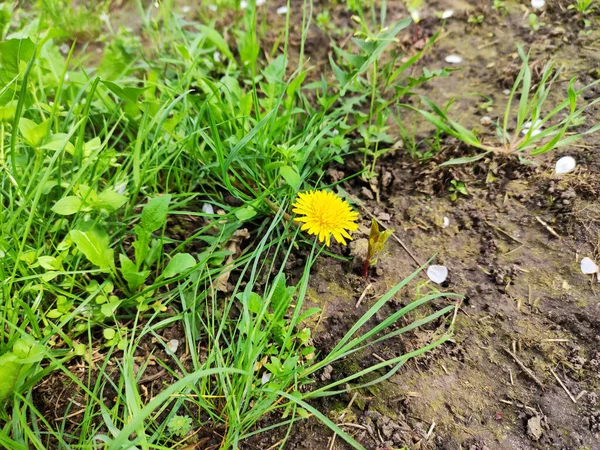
x: 207, y: 208
x: 454, y: 59
x: 588, y: 266
x: 565, y: 164
x: 173, y: 345
x: 437, y: 274
x: 445, y: 222
x: 186, y: 9
x: 447, y: 14
x: 537, y: 4
x: 282, y: 10
x: 486, y: 121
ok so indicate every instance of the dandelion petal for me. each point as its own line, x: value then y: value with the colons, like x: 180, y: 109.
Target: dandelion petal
x: 447, y: 14
x: 207, y: 208
x: 437, y: 274
x: 588, y: 266
x: 565, y: 164
x: 282, y: 10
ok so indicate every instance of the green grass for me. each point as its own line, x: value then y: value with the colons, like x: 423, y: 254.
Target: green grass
x: 106, y: 235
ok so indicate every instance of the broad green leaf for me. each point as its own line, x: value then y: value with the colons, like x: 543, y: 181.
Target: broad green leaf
x: 110, y: 200
x: 95, y: 245
x: 13, y: 51
x: 246, y: 213
x: 179, y: 264
x: 154, y: 214
x: 50, y: 263
x: 129, y: 271
x: 33, y: 132
x: 131, y: 94
x: 68, y: 205
x: 291, y: 177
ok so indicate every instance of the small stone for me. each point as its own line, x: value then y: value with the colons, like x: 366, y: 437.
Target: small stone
x: 534, y: 428
x: 486, y: 121
x: 445, y: 222
x: 282, y: 10
x: 447, y: 14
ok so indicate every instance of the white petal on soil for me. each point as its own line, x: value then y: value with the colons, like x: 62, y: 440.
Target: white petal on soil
x: 446, y: 222
x: 565, y: 164
x: 260, y: 2
x: 454, y: 59
x: 588, y: 266
x: 282, y: 10
x: 207, y: 208
x: 266, y: 377
x: 415, y: 15
x: 186, y: 9
x: 437, y: 274
x: 173, y: 345
x: 447, y: 14
x: 537, y: 4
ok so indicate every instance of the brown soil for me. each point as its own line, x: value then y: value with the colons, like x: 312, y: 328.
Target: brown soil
x: 513, y: 248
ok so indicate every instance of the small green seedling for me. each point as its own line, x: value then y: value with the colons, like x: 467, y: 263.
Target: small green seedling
x: 583, y: 6
x: 534, y: 23
x: 377, y: 240
x: 179, y: 425
x: 476, y: 19
x: 456, y: 188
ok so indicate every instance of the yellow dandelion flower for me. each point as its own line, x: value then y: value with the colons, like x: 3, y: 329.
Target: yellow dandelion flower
x: 324, y: 214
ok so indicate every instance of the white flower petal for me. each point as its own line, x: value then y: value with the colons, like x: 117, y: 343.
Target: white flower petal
x: 173, y: 345
x: 565, y: 164
x: 415, y: 15
x: 213, y: 8
x: 186, y: 9
x: 447, y: 14
x: 282, y: 10
x: 454, y: 59
x: 243, y: 4
x: 217, y: 56
x: 537, y: 4
x: 207, y: 208
x: 588, y: 266
x: 265, y: 378
x: 446, y: 222
x: 260, y: 2
x: 437, y: 274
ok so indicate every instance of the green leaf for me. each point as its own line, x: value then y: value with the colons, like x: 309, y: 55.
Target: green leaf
x: 32, y: 132
x: 154, y: 214
x: 291, y: 177
x: 255, y: 303
x: 246, y: 213
x: 68, y: 205
x: 179, y: 264
x: 465, y: 160
x: 95, y: 245
x: 50, y: 263
x: 110, y: 200
x: 217, y: 40
x: 129, y: 271
x: 13, y: 51
x: 130, y: 94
